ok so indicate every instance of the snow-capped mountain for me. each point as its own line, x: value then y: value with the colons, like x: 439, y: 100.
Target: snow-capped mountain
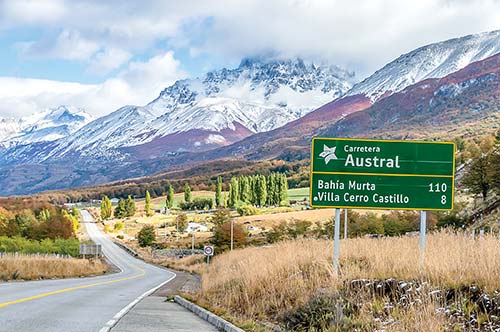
x: 225, y: 105
x: 432, y: 61
x: 50, y: 125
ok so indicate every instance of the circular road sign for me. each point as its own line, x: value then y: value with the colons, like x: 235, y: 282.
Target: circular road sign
x: 208, y: 250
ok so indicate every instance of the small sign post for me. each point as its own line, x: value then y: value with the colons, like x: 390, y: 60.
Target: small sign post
x: 381, y: 174
x: 208, y: 251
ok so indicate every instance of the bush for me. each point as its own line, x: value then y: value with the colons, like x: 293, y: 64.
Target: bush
x: 323, y: 312
x: 247, y: 210
x: 45, y: 246
x: 221, y: 216
x: 197, y: 204
x: 121, y: 237
x: 118, y: 226
x: 222, y: 237
x: 146, y: 236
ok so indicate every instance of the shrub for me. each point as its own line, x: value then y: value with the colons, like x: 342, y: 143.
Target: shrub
x: 45, y: 246
x: 221, y: 216
x: 118, y: 226
x: 222, y: 236
x: 247, y: 210
x: 146, y: 236
x: 323, y: 312
x: 197, y: 204
x: 181, y: 222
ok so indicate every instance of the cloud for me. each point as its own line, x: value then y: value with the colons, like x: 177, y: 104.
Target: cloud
x: 69, y: 45
x: 31, y: 12
x: 364, y: 34
x: 105, y: 35
x: 108, y: 60
x: 138, y: 83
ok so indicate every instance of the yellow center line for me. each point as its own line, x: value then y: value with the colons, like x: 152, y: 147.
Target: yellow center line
x: 5, y: 304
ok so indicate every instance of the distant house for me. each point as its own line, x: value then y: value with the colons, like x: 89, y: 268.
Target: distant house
x: 195, y: 227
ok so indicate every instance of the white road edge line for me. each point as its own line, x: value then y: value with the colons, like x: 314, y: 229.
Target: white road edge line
x: 111, y: 323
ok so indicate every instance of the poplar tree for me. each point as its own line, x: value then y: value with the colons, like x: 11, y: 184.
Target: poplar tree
x: 169, y: 201
x: 261, y: 190
x: 283, y: 188
x: 106, y: 208
x: 218, y: 192
x: 148, y: 204
x: 245, y: 194
x: 129, y: 207
x: 233, y: 192
x: 187, y: 193
x: 120, y: 209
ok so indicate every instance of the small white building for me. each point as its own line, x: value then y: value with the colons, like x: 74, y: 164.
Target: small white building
x: 195, y: 227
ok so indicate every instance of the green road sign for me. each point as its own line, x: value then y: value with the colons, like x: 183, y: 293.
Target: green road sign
x: 382, y: 174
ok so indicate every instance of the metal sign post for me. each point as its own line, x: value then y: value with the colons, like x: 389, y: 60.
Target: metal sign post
x: 423, y: 229
x: 336, y: 240
x: 345, y: 224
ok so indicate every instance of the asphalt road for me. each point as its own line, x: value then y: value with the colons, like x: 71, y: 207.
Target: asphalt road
x: 80, y: 304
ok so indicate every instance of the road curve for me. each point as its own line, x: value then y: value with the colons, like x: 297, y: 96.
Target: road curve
x: 78, y: 304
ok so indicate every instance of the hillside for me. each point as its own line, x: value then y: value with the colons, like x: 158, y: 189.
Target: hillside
x: 458, y: 96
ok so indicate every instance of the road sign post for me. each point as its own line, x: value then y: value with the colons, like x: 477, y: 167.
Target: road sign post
x: 336, y: 241
x: 208, y: 251
x: 423, y: 228
x: 345, y: 224
x: 382, y: 174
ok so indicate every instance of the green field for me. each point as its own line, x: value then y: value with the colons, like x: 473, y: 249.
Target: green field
x: 298, y: 194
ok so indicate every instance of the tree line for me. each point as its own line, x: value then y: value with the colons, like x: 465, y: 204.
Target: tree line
x: 258, y: 190
x: 483, y: 174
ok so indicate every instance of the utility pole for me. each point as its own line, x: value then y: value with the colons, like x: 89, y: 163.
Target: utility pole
x: 192, y: 244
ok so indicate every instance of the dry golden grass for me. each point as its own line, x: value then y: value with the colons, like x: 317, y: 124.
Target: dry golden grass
x: 33, y: 268
x: 263, y: 283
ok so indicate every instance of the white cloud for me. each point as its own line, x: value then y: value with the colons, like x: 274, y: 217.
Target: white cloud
x: 108, y: 59
x: 69, y: 45
x: 364, y: 34
x: 138, y: 84
x: 31, y: 12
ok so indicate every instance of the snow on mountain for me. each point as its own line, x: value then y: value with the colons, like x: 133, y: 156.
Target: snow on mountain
x: 120, y: 128
x: 259, y: 95
x: 46, y: 126
x: 275, y: 91
x: 431, y: 61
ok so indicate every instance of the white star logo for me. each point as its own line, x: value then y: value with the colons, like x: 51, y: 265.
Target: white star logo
x: 328, y: 154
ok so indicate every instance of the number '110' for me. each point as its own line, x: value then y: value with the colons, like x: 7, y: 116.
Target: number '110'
x: 437, y: 187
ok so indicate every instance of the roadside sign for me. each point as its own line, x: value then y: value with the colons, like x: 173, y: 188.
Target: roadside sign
x: 382, y: 174
x: 208, y: 250
x: 91, y: 249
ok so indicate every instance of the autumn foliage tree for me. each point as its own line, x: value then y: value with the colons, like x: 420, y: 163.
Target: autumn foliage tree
x: 222, y: 236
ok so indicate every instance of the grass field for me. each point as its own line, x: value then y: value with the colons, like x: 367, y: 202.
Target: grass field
x: 263, y: 284
x: 40, y: 267
x: 298, y: 194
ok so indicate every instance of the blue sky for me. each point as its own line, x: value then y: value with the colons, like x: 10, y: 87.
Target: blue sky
x: 126, y: 52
